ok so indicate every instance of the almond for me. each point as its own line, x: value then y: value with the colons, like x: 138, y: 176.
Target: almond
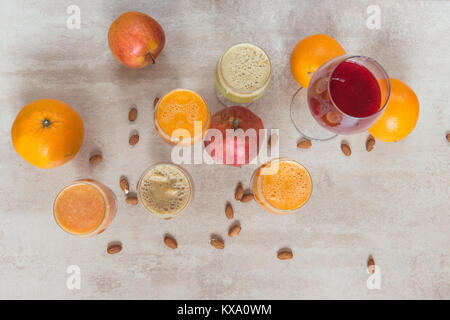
x: 170, y: 242
x: 229, y: 211
x: 96, y: 159
x: 273, y: 140
x: 285, y: 255
x: 134, y: 139
x: 234, y: 231
x: 114, y: 248
x: 346, y: 149
x: 370, y: 143
x: 218, y: 244
x: 132, y: 115
x: 304, y: 144
x: 247, y: 197
x: 448, y: 137
x: 124, y: 185
x: 132, y: 200
x: 239, y: 192
x: 371, y: 265
x: 155, y: 102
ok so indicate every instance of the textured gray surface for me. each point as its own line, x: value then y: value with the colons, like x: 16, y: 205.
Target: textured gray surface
x: 392, y: 203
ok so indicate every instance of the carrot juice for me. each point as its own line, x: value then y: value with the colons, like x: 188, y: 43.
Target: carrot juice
x: 182, y: 116
x: 84, y: 208
x: 284, y: 190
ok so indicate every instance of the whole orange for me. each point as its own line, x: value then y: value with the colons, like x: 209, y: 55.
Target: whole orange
x: 47, y: 133
x: 310, y: 54
x: 400, y: 116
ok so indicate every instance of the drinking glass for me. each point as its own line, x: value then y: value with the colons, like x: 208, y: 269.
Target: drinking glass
x: 180, y: 110
x: 242, y: 75
x: 84, y: 208
x: 165, y: 184
x: 317, y: 115
x: 281, y: 186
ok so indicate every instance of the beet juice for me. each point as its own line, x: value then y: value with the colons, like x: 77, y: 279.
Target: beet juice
x: 355, y: 90
x: 345, y: 96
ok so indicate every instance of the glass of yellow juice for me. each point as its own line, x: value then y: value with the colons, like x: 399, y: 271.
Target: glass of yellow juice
x: 182, y: 117
x: 242, y: 74
x: 281, y: 186
x: 84, y: 208
x: 165, y: 190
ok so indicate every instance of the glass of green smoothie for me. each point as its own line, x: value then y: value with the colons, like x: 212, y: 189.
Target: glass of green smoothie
x: 242, y: 75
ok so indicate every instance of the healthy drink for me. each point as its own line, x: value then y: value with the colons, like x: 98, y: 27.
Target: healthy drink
x: 348, y: 94
x: 243, y: 73
x: 355, y: 90
x: 282, y: 186
x: 165, y: 190
x: 84, y: 208
x: 182, y: 117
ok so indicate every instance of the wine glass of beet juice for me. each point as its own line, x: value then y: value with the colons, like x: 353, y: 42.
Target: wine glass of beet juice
x: 346, y: 95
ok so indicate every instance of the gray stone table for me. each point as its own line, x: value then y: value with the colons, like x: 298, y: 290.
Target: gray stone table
x: 392, y: 203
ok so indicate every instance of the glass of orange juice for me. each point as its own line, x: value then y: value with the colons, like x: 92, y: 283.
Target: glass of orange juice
x: 281, y: 186
x: 182, y: 117
x: 84, y: 208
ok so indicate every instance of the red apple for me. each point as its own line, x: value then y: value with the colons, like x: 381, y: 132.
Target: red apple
x: 240, y: 150
x: 136, y: 39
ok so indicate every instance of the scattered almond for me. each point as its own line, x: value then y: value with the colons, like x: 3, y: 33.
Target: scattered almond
x: 448, y: 137
x: 132, y: 200
x: 124, y: 185
x: 247, y: 197
x: 304, y: 144
x: 155, y: 102
x: 239, y: 192
x: 234, y: 231
x: 218, y: 244
x: 132, y: 115
x: 170, y: 242
x: 346, y: 149
x: 273, y: 140
x: 285, y: 255
x: 371, y: 265
x: 96, y: 159
x: 370, y: 143
x: 229, y: 211
x: 134, y: 139
x: 114, y: 248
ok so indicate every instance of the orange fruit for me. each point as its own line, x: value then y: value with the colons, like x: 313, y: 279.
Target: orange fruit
x: 310, y: 54
x: 47, y: 133
x: 400, y: 115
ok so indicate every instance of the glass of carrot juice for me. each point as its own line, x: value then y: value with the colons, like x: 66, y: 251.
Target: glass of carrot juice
x: 182, y: 117
x: 84, y: 208
x: 281, y: 186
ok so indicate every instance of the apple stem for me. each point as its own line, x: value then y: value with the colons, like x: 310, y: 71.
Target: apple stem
x: 149, y: 56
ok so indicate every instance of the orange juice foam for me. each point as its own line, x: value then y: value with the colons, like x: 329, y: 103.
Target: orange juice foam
x: 289, y: 188
x: 179, y: 109
x: 80, y: 209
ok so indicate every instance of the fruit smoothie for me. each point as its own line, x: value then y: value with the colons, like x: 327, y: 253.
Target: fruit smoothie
x: 355, y: 90
x: 285, y: 190
x: 84, y: 208
x: 182, y: 117
x: 243, y: 73
x: 165, y: 190
x: 348, y: 94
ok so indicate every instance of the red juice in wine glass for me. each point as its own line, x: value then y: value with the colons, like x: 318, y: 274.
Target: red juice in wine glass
x: 348, y: 94
x: 355, y: 90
